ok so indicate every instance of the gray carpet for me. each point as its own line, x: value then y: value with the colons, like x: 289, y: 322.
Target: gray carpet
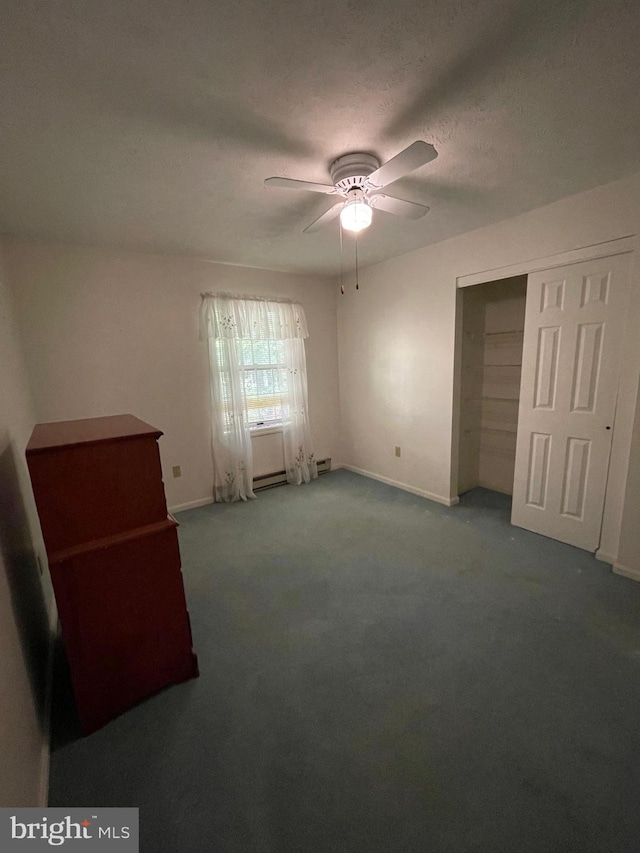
x: 380, y: 673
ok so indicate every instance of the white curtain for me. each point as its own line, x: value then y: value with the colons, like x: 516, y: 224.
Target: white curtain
x: 226, y: 321
x: 299, y: 459
x: 230, y: 438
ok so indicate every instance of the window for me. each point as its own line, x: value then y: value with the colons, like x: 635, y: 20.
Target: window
x: 258, y: 379
x: 265, y: 381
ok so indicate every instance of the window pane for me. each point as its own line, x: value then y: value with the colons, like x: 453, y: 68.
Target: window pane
x: 250, y: 386
x: 280, y: 379
x: 261, y: 352
x: 264, y: 382
x: 246, y: 350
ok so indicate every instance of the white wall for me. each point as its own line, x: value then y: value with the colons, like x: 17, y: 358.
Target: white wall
x: 397, y: 342
x: 109, y: 332
x: 24, y: 637
x: 629, y: 555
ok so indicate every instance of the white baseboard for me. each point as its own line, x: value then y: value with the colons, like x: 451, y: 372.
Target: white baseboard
x: 634, y: 574
x: 190, y: 505
x: 335, y: 467
x: 605, y: 558
x: 404, y: 486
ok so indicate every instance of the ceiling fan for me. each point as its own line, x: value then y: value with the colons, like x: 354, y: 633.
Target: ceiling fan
x: 358, y: 179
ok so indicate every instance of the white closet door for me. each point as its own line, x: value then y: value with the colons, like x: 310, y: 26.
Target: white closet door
x: 573, y: 330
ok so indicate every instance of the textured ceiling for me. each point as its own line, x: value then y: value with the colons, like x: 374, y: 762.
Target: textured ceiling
x: 151, y: 124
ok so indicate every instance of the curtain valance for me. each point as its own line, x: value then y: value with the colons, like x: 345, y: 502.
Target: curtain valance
x: 227, y: 316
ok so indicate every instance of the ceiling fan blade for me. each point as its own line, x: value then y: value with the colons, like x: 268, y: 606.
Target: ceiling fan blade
x: 326, y: 217
x: 291, y: 184
x: 406, y: 161
x: 398, y: 206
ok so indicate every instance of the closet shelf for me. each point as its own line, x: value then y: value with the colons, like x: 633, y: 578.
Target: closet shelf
x: 493, y: 399
x: 510, y: 428
x: 495, y: 429
x: 495, y: 367
x: 487, y: 430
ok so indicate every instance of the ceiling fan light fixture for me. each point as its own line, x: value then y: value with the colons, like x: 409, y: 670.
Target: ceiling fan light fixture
x: 359, y: 178
x: 356, y: 214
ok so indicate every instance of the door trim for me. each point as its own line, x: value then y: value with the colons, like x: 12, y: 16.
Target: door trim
x: 574, y: 256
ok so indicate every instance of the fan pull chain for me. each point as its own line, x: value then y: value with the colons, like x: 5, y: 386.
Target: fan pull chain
x: 357, y: 285
x: 341, y: 262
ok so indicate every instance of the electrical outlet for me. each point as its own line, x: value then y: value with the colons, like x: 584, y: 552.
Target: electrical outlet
x: 398, y: 453
x: 177, y: 471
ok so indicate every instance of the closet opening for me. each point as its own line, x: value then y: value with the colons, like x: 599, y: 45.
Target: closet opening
x: 491, y: 363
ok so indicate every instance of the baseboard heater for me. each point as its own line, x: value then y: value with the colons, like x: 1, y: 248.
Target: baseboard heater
x: 279, y: 478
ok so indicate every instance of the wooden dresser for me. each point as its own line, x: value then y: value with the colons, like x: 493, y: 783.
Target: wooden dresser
x: 114, y: 561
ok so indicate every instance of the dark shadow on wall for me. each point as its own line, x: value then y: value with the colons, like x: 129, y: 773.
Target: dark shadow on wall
x: 65, y: 723
x: 23, y: 576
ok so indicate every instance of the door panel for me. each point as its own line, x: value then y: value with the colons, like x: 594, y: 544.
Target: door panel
x: 572, y: 336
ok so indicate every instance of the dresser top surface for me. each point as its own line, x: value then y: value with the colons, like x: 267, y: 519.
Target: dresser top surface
x: 60, y: 434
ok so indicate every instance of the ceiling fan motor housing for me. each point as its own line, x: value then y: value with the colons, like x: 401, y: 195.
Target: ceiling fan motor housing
x: 352, y: 170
